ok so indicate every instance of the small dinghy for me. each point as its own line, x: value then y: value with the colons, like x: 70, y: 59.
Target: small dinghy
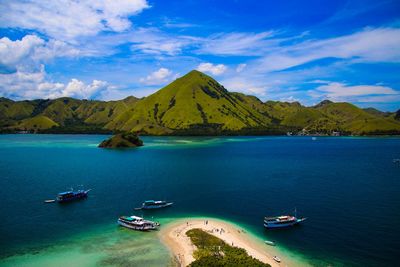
x: 271, y: 243
x: 277, y: 259
x: 50, y: 201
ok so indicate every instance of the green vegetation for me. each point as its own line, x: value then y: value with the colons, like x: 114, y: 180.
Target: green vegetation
x: 36, y: 123
x: 212, y: 251
x: 122, y: 140
x: 194, y: 104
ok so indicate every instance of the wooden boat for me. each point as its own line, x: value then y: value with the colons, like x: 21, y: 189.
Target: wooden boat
x: 72, y: 195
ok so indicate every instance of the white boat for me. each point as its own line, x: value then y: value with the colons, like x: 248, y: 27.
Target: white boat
x: 282, y: 221
x: 137, y: 223
x: 154, y: 204
x: 271, y: 243
x: 277, y: 259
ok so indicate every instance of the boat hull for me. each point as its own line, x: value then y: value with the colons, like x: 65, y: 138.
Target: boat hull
x: 152, y: 207
x: 282, y: 225
x: 137, y: 228
x: 74, y: 198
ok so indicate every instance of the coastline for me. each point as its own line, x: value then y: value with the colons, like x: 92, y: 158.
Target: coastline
x: 173, y: 236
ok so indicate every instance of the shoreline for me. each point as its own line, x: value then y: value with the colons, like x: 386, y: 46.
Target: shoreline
x: 173, y: 236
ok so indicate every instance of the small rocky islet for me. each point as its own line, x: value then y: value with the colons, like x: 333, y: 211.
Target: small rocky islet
x: 122, y: 140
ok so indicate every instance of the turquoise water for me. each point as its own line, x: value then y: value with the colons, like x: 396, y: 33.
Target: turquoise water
x: 349, y: 189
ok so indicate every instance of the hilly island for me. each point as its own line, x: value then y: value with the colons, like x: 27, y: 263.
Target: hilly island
x: 194, y: 104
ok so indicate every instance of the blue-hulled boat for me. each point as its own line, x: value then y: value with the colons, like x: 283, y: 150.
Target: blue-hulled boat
x: 72, y: 195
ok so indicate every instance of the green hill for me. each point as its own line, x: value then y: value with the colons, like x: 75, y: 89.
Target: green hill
x: 348, y: 118
x: 194, y: 104
x: 36, y: 123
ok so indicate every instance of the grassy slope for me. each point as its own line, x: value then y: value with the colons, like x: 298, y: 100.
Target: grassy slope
x: 39, y: 122
x: 197, y: 104
x: 194, y: 99
x: 349, y: 118
x: 69, y: 113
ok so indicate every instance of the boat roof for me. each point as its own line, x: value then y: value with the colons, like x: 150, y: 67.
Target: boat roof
x: 136, y: 217
x: 65, y: 193
x: 154, y: 201
x: 283, y: 217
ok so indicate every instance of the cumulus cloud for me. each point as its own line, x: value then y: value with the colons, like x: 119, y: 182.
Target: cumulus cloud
x: 336, y: 91
x: 157, y: 77
x: 211, y: 68
x: 30, y: 52
x: 32, y: 85
x: 65, y: 20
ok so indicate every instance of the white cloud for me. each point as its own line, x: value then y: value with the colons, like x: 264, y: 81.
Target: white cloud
x: 245, y: 44
x: 65, y: 20
x: 336, y: 91
x: 30, y: 52
x: 32, y: 85
x: 153, y: 41
x: 157, y: 77
x: 240, y: 67
x: 369, y: 45
x: 211, y: 68
x: 78, y: 89
x: 246, y: 86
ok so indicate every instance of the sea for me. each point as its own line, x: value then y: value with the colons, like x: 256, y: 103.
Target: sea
x: 347, y: 187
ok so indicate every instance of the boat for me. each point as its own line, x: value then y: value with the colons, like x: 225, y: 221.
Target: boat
x: 154, y: 204
x: 282, y: 221
x: 277, y: 259
x: 137, y: 223
x: 50, y: 201
x: 271, y: 243
x: 72, y: 195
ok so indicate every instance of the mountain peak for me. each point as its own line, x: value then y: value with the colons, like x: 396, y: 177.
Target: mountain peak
x: 195, y: 74
x: 323, y: 103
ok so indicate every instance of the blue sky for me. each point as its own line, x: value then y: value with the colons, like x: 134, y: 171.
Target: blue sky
x: 290, y: 51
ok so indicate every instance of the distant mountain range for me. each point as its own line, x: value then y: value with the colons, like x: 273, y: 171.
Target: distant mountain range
x: 194, y: 104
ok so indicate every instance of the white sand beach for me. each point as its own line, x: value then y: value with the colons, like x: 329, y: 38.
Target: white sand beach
x: 174, y: 237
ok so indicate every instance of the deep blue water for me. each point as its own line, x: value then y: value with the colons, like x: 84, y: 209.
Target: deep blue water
x: 349, y: 188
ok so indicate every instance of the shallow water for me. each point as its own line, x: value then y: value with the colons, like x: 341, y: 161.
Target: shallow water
x: 347, y: 187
